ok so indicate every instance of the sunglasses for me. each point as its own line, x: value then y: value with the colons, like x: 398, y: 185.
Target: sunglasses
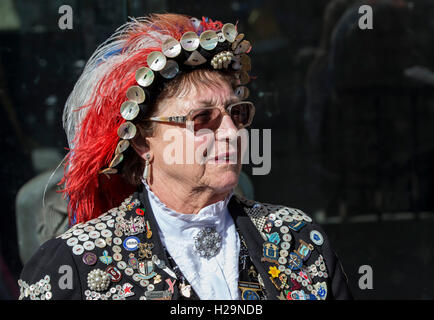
x: 241, y: 114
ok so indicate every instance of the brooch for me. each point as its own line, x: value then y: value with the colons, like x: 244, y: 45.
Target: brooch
x: 207, y: 242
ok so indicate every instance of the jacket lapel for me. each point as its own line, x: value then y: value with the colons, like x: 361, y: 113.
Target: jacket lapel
x: 254, y: 244
x: 159, y: 249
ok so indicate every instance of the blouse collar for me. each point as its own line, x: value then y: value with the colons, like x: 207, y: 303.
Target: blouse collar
x: 208, y: 213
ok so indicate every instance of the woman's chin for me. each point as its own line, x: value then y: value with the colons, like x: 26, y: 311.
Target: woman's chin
x: 226, y: 180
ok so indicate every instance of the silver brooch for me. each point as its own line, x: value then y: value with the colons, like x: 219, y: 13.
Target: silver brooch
x: 207, y: 242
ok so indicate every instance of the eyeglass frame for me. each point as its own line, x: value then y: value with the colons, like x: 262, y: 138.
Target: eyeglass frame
x: 184, y: 119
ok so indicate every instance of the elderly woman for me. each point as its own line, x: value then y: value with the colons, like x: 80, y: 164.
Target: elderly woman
x: 154, y: 128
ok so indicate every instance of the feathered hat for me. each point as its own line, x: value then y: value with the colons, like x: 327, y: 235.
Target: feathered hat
x: 119, y: 82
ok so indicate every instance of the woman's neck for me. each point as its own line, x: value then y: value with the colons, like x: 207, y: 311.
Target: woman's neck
x: 182, y: 197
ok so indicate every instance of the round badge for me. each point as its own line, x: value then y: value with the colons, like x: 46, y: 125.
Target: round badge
x: 94, y: 221
x: 77, y: 249
x: 282, y: 260
x: 89, y: 228
x: 90, y: 258
x: 278, y: 223
x: 72, y: 241
x: 272, y: 217
x: 307, y: 218
x: 66, y: 235
x: 283, y: 253
x: 281, y: 268
x: 140, y: 212
x: 122, y: 265
x: 89, y: 245
x: 117, y: 257
x: 83, y: 237
x: 144, y: 282
x: 117, y: 241
x: 283, y: 212
x: 136, y: 277
x: 77, y: 232
x: 284, y: 229
x: 151, y: 287
x: 94, y: 234
x: 129, y: 271
x: 288, y: 219
x: 131, y: 243
x: 106, y: 233
x: 287, y: 237
x: 316, y: 237
x: 100, y: 243
x: 111, y: 222
x: 116, y: 249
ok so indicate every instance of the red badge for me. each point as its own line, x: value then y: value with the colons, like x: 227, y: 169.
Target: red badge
x: 114, y: 273
x: 140, y: 212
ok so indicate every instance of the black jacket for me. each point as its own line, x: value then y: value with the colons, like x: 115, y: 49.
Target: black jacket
x: 119, y: 255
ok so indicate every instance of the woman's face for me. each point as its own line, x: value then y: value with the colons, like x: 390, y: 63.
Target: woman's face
x: 198, y: 156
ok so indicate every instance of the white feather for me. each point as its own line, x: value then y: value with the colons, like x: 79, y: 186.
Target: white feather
x: 100, y: 64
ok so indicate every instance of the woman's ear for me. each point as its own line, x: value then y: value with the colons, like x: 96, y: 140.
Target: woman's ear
x: 141, y: 146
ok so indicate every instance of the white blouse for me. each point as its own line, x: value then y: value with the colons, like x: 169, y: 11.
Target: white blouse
x: 214, y: 278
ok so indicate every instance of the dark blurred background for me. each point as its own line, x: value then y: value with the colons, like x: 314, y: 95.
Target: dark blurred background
x: 351, y: 114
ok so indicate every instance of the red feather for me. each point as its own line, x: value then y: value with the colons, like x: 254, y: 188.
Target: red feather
x: 88, y: 192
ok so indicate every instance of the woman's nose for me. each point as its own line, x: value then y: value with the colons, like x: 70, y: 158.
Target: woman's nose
x: 227, y: 128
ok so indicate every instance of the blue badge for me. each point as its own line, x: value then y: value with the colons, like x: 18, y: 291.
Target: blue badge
x: 131, y: 243
x: 304, y: 249
x: 274, y: 238
x: 296, y: 225
x: 294, y: 261
x: 316, y: 237
x: 250, y: 295
x: 311, y: 297
x: 270, y: 250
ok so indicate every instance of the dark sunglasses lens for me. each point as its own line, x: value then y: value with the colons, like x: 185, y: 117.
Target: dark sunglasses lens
x: 241, y: 114
x: 207, y: 118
